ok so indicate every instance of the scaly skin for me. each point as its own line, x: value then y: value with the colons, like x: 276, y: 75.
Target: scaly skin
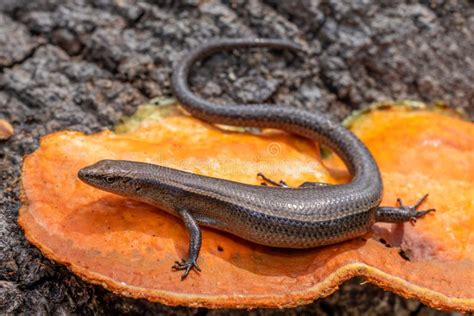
x: 308, y: 216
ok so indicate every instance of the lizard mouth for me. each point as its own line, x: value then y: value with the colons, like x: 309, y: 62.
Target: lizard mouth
x: 95, y: 175
x: 88, y: 175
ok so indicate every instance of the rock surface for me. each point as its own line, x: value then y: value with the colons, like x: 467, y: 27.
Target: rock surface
x: 82, y: 64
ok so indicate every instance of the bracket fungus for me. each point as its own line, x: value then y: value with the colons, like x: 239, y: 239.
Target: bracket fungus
x: 129, y: 247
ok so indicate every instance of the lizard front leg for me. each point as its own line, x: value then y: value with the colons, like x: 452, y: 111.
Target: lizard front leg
x: 194, y: 245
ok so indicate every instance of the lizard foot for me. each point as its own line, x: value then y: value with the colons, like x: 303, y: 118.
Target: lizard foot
x: 402, y: 213
x: 281, y: 183
x: 185, y: 265
x: 412, y: 210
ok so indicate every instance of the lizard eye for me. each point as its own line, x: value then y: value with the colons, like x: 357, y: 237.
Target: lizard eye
x: 109, y: 179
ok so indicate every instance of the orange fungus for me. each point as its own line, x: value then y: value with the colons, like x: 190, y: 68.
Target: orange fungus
x: 129, y: 247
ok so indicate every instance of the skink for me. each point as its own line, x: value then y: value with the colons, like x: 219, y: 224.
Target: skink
x: 311, y: 215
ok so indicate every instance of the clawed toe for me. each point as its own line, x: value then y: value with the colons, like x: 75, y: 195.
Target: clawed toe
x: 179, y: 265
x: 185, y: 265
x: 418, y: 214
x: 423, y: 213
x: 267, y: 180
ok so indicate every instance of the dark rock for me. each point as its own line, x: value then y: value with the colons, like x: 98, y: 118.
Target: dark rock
x: 76, y: 94
x: 254, y: 89
x: 10, y: 297
x: 68, y: 25
x: 16, y: 43
x: 399, y: 52
x: 67, y: 41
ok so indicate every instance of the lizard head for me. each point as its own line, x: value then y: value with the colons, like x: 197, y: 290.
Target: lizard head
x: 110, y: 175
x: 136, y: 180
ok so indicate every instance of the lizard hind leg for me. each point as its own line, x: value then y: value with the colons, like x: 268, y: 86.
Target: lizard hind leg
x: 402, y: 213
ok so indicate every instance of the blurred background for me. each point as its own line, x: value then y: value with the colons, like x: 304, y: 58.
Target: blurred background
x: 83, y: 64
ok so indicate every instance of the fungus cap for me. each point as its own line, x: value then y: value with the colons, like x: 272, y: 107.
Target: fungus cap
x: 129, y: 247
